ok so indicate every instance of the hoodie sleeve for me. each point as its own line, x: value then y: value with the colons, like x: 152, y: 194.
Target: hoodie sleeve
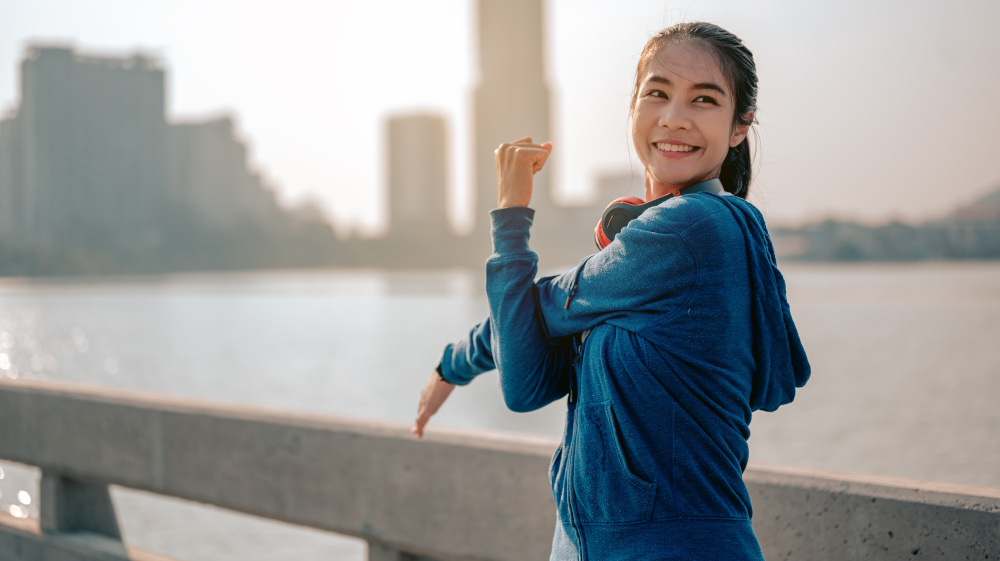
x: 467, y: 358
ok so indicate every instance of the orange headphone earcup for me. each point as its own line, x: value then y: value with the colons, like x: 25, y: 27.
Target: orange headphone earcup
x: 600, y: 238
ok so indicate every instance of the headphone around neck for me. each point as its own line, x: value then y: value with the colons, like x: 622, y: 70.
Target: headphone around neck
x: 626, y: 209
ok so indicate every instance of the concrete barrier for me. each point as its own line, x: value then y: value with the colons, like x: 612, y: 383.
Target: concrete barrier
x: 456, y: 495
x: 805, y: 513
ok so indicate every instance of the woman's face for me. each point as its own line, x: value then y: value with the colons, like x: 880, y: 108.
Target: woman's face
x: 682, y: 125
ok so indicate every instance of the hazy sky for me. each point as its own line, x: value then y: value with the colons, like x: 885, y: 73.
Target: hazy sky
x: 874, y: 110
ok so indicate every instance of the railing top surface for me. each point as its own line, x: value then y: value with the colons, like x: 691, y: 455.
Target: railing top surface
x: 763, y: 471
x: 957, y: 495
x: 476, y: 438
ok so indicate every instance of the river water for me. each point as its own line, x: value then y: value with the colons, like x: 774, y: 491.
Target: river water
x: 906, y: 371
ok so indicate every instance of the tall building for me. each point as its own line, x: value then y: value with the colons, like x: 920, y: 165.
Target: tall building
x: 418, y: 179
x: 10, y: 176
x: 83, y: 156
x: 512, y: 97
x: 208, y: 172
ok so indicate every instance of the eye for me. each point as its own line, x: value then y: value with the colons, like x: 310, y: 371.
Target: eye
x: 705, y: 99
x: 656, y: 93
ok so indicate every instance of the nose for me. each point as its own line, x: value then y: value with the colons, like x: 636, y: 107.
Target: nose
x: 675, y: 117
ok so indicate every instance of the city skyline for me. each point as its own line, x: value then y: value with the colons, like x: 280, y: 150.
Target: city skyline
x: 89, y: 158
x: 327, y: 64
x: 95, y: 178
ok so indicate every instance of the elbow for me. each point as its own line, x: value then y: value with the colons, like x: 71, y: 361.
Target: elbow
x: 529, y: 387
x: 526, y: 400
x: 521, y: 404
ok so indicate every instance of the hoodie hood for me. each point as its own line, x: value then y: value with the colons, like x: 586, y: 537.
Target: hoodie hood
x: 781, y: 363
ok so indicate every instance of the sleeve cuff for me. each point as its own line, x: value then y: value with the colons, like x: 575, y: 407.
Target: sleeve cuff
x: 510, y: 229
x: 445, y: 365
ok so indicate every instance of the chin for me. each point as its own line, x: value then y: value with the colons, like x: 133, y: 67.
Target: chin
x: 675, y: 177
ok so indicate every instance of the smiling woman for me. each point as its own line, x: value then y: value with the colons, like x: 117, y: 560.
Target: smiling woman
x: 665, y: 341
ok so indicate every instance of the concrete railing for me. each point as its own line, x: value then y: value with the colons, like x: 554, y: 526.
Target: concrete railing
x: 455, y: 495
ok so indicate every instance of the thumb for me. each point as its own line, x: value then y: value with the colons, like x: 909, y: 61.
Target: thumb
x: 542, y: 157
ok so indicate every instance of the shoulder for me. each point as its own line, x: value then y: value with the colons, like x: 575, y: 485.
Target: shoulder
x: 694, y: 215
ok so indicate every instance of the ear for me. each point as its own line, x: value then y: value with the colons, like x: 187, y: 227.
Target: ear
x: 740, y: 131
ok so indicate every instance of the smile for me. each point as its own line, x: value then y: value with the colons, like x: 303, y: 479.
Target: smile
x: 675, y: 147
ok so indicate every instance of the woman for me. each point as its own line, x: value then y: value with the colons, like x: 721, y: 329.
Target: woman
x: 666, y: 340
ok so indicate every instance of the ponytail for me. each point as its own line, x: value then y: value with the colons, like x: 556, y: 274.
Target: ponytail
x: 737, y: 170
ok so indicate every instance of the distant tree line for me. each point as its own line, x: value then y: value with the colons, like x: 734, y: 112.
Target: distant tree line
x: 972, y: 232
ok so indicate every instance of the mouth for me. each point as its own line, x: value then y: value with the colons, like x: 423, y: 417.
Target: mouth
x: 675, y: 149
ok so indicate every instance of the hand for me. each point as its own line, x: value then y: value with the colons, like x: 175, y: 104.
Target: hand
x: 432, y: 397
x: 517, y: 163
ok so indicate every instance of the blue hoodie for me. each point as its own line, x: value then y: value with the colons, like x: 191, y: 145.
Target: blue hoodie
x: 666, y: 341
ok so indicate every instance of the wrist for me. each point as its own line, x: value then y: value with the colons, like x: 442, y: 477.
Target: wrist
x: 440, y: 375
x: 507, y: 202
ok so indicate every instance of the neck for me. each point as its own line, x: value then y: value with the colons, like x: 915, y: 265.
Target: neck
x: 656, y: 189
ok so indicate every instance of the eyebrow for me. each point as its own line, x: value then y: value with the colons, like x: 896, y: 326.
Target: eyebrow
x: 702, y: 86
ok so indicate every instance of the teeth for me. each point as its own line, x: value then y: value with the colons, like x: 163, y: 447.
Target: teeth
x: 674, y: 147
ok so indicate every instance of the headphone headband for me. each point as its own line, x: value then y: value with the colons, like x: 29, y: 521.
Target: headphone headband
x: 619, y: 214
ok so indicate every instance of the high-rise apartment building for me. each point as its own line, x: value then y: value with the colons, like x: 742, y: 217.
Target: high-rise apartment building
x: 208, y: 171
x: 418, y: 179
x: 83, y: 156
x: 10, y: 175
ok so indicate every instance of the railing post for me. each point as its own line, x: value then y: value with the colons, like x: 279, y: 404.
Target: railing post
x: 66, y: 505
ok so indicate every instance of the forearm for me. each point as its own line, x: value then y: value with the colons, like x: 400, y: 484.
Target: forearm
x: 467, y: 358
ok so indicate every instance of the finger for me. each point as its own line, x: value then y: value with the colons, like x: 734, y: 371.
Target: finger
x: 419, y: 424
x: 507, y: 146
x: 531, y: 152
x: 535, y: 156
x: 539, y: 163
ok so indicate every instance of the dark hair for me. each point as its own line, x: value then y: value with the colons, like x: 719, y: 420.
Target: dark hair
x: 736, y: 62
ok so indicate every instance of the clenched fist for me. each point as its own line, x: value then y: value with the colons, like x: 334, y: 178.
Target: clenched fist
x: 517, y: 164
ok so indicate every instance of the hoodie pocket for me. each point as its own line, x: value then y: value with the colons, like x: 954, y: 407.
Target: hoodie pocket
x: 604, y: 488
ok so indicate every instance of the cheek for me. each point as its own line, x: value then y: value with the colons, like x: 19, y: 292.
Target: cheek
x: 638, y: 134
x: 642, y: 123
x: 718, y: 132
